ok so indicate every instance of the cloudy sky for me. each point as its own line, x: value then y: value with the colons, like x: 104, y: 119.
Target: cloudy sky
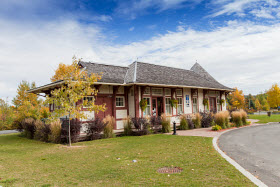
x: 237, y: 41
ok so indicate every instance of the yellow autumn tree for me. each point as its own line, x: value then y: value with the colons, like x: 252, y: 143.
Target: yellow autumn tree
x: 258, y: 105
x: 273, y: 96
x: 237, y: 99
x: 77, y: 85
x: 6, y: 115
x: 62, y: 72
x: 26, y: 104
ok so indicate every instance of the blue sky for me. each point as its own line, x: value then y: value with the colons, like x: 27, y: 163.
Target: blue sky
x: 237, y: 41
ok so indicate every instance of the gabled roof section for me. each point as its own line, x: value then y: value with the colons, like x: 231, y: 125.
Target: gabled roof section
x: 130, y: 74
x: 111, y: 73
x: 197, y: 68
x: 163, y: 75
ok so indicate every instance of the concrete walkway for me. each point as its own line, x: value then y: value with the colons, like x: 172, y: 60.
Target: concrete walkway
x: 207, y: 132
x: 256, y: 149
x: 8, y: 132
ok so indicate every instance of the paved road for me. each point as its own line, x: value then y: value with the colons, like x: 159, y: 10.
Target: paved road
x: 257, y: 149
x: 8, y: 132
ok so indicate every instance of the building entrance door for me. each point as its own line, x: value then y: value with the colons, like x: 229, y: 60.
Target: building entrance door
x: 212, y: 103
x: 157, y: 106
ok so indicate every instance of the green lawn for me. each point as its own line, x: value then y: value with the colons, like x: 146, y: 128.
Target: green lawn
x: 265, y: 118
x: 25, y: 162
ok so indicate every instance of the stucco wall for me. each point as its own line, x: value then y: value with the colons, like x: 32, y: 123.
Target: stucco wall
x: 106, y: 89
x: 119, y: 124
x: 131, y: 102
x: 90, y: 115
x: 200, y: 100
x: 225, y: 104
x: 120, y: 90
x: 120, y: 114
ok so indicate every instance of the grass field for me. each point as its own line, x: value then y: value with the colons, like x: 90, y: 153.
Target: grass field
x: 265, y: 118
x: 25, y: 162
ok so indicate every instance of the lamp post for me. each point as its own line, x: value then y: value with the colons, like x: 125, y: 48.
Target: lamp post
x: 174, y: 128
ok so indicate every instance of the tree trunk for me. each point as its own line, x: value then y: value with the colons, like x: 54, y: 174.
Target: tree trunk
x: 69, y: 132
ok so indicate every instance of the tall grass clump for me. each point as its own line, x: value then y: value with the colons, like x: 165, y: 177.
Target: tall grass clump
x: 127, y: 124
x: 29, y: 127
x: 165, y: 124
x: 197, y: 120
x: 183, y: 123
x: 243, y: 116
x: 222, y: 119
x: 237, y: 118
x: 108, y: 130
x: 55, y: 131
x: 42, y: 131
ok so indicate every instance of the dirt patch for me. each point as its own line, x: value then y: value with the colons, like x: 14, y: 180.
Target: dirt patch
x: 73, y: 147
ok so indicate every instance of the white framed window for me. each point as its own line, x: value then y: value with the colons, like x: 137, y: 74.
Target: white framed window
x: 195, y: 110
x: 180, y: 105
x: 179, y: 92
x: 120, y: 101
x: 147, y: 111
x: 167, y: 92
x: 89, y: 99
x: 147, y: 91
x: 168, y: 108
x: 187, y: 100
x: 157, y: 91
x: 218, y: 104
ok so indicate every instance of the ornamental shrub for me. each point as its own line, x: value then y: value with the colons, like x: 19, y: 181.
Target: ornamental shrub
x: 42, y: 131
x: 142, y: 126
x: 221, y: 119
x: 206, y: 119
x: 127, y: 126
x: 216, y: 128
x: 108, y: 131
x: 55, y: 131
x: 95, y: 128
x: 166, y: 128
x: 190, y: 123
x: 197, y: 120
x: 75, y: 129
x: 243, y: 116
x: 29, y: 127
x: 155, y: 122
x: 183, y: 123
x: 237, y: 118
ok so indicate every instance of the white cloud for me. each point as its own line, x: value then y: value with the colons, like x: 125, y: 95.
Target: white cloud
x: 258, y: 8
x: 245, y: 55
x: 131, y: 29
x: 263, y: 13
x: 135, y: 7
x: 33, y: 51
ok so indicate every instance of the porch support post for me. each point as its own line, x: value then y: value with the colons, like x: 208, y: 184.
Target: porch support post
x: 115, y: 90
x: 136, y: 100
x: 173, y: 96
x: 143, y: 88
x: 126, y: 92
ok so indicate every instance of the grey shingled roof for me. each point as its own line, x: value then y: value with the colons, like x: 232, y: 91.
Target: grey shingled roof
x: 155, y: 74
x: 111, y: 74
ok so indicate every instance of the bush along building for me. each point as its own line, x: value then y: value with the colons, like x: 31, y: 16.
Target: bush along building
x: 144, y: 89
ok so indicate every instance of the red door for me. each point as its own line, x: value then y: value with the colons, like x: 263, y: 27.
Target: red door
x: 109, y: 107
x: 212, y: 102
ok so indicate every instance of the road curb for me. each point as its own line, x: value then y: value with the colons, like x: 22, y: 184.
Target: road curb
x: 235, y: 164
